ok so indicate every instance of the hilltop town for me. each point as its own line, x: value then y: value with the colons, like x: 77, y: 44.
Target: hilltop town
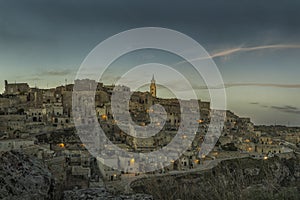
x: 39, y: 122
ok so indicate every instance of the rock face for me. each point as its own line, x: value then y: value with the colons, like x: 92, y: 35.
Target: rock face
x: 23, y: 177
x: 246, y: 178
x: 27, y: 178
x: 101, y: 194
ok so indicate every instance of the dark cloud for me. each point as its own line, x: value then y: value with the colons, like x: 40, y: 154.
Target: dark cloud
x: 287, y: 109
x: 265, y: 106
x: 179, y: 86
x: 296, y: 86
x: 229, y: 85
x: 214, y: 20
x: 62, y: 72
x: 33, y: 79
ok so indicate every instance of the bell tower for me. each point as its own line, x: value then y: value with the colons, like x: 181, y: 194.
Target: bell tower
x: 153, y: 87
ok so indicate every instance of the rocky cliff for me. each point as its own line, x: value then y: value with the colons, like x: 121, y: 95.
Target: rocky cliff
x: 101, y: 194
x: 246, y: 178
x: 26, y: 178
x: 23, y: 177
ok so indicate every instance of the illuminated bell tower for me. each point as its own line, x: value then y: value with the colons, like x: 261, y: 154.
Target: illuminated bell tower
x: 153, y: 87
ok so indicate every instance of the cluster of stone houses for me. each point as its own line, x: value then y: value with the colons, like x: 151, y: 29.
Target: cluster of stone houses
x: 26, y: 112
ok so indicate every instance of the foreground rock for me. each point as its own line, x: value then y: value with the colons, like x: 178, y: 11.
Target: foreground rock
x: 245, y: 178
x: 101, y: 194
x: 23, y: 177
x: 26, y: 178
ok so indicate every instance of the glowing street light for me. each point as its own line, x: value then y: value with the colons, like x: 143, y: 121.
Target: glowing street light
x: 61, y: 145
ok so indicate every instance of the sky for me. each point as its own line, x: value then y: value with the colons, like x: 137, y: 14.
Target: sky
x: 255, y: 44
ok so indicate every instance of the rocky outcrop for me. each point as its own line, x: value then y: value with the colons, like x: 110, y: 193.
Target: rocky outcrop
x: 24, y: 177
x: 101, y: 194
x: 245, y: 178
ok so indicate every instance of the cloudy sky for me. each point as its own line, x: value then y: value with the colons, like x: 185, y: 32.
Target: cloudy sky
x: 255, y: 44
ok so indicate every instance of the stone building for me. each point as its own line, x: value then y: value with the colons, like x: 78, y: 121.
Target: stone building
x: 153, y: 87
x: 48, y: 96
x: 108, y: 173
x: 16, y: 88
x: 14, y: 144
x: 35, y: 98
x: 85, y: 85
x: 36, y: 115
x: 13, y: 125
x: 266, y: 149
